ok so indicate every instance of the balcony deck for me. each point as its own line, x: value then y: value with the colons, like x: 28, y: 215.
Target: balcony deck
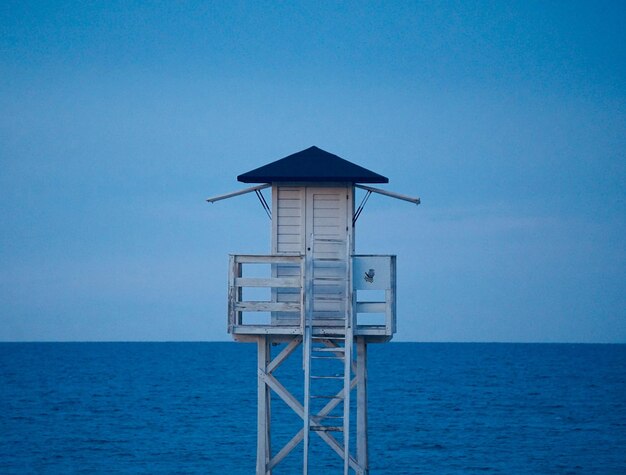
x: 372, y: 310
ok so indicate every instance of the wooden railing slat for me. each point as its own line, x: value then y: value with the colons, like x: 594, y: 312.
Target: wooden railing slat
x: 285, y: 282
x: 371, y: 307
x: 267, y: 307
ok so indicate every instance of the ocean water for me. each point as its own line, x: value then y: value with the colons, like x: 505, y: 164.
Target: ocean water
x: 191, y: 408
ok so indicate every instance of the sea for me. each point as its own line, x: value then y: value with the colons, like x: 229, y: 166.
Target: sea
x: 433, y: 408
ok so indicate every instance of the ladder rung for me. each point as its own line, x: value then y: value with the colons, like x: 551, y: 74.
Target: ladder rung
x: 327, y: 417
x: 327, y: 338
x: 328, y: 357
x: 326, y: 428
x: 339, y: 349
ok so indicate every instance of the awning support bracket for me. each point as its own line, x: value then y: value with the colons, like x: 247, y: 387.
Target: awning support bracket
x: 266, y: 207
x: 357, y: 213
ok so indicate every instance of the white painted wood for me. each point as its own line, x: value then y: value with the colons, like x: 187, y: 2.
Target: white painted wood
x: 288, y: 227
x: 371, y: 272
x: 346, y: 399
x: 312, y: 293
x: 384, y: 279
x: 371, y: 307
x: 287, y: 237
x: 256, y: 329
x: 332, y: 302
x: 267, y: 259
x: 263, y: 427
x: 285, y: 395
x: 294, y: 306
x: 375, y: 333
x: 251, y: 306
x: 325, y: 211
x: 286, y: 450
x: 361, y: 404
x: 284, y: 354
x: 292, y: 282
x: 232, y: 297
x: 348, y: 362
x: 300, y: 434
x: 268, y: 408
x: 307, y: 396
x: 266, y: 366
x: 328, y: 226
x: 391, y: 300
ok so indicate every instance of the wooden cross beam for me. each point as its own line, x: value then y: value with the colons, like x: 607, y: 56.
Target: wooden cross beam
x: 270, y: 381
x: 329, y: 439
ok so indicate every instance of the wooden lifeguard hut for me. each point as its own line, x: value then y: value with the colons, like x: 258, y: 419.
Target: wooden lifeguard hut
x: 313, y: 291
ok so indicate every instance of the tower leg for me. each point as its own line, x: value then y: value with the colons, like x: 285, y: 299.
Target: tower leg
x: 361, y: 404
x: 263, y: 409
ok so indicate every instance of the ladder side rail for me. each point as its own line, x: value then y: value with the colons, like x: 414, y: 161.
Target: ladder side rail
x: 307, y: 389
x: 349, y: 327
x: 303, y: 294
x: 346, y: 399
x: 306, y: 357
x: 394, y: 296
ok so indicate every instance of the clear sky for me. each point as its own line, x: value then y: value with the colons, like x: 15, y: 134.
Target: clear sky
x: 508, y: 119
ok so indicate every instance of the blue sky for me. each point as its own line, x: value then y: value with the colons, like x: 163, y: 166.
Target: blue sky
x: 117, y: 120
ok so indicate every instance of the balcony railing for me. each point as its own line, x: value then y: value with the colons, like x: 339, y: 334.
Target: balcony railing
x: 267, y: 295
x: 240, y: 284
x: 374, y: 293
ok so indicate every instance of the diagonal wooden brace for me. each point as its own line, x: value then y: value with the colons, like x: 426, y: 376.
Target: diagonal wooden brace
x: 297, y: 407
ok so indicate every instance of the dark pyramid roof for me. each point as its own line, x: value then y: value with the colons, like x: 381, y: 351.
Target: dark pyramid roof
x: 314, y: 165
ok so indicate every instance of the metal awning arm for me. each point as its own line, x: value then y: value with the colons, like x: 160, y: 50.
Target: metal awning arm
x: 398, y: 196
x: 240, y: 192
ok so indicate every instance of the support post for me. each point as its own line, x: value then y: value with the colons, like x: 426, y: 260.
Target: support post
x: 361, y: 404
x: 263, y: 454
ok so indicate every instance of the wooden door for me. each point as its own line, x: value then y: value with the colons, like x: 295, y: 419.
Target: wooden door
x: 327, y: 228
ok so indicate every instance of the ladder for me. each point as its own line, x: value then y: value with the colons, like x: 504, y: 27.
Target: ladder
x: 327, y: 361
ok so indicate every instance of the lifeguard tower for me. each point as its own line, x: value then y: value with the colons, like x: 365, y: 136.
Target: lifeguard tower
x: 313, y: 291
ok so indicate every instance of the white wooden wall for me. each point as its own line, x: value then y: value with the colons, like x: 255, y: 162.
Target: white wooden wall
x: 288, y: 231
x: 288, y: 227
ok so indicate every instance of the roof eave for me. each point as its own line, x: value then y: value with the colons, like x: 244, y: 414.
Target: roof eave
x: 313, y: 179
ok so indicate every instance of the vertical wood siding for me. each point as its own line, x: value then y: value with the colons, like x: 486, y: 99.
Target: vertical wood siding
x: 290, y: 220
x: 288, y: 239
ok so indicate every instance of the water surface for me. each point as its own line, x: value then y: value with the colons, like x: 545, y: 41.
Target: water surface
x: 191, y: 408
